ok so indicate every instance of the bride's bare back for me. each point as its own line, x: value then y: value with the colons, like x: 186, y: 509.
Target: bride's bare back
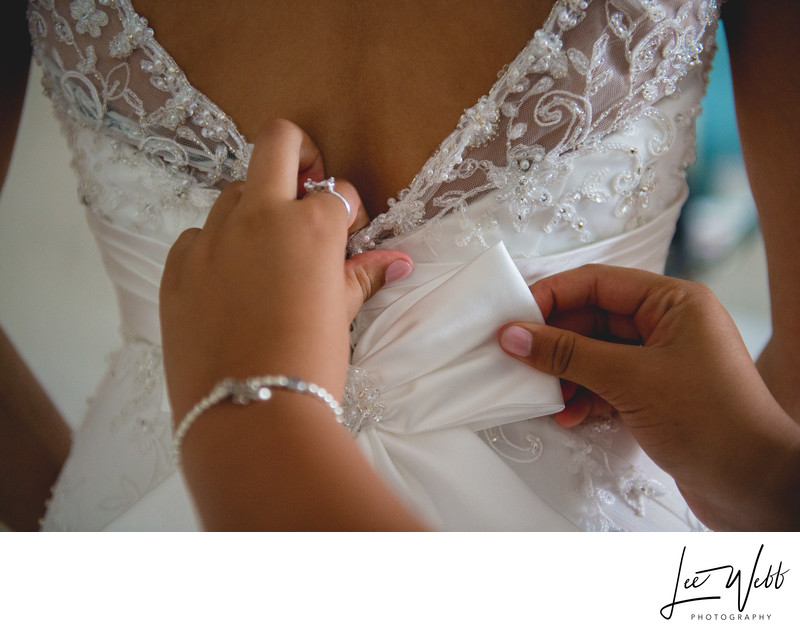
x: 377, y: 85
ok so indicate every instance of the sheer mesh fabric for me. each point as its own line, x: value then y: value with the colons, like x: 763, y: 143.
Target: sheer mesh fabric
x: 104, y: 70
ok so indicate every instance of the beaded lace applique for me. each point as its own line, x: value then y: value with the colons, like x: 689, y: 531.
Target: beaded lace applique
x: 362, y: 403
x: 600, y: 482
x: 599, y: 477
x: 550, y: 107
x: 131, y: 88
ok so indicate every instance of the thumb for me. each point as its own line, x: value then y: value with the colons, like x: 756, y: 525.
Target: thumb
x: 595, y: 364
x: 366, y: 273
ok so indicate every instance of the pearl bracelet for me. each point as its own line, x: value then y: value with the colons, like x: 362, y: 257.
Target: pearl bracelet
x: 249, y: 390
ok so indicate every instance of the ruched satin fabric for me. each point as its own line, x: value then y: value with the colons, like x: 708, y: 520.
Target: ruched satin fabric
x: 134, y: 263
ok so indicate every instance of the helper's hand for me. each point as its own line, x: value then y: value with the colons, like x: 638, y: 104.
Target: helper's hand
x: 667, y: 357
x: 264, y: 287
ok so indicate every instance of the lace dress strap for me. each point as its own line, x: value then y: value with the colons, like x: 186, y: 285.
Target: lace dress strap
x: 104, y: 69
x: 594, y: 68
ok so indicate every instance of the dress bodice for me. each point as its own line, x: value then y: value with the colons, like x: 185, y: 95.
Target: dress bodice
x: 579, y: 146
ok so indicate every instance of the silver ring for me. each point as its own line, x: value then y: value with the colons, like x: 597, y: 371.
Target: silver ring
x: 326, y: 185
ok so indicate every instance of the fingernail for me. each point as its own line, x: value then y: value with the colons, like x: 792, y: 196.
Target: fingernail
x: 398, y: 270
x: 516, y: 340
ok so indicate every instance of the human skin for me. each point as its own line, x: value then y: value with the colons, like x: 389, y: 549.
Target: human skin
x: 263, y: 289
x: 762, y: 37
x: 666, y: 357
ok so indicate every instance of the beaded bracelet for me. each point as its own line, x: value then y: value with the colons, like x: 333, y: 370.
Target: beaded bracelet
x: 249, y: 390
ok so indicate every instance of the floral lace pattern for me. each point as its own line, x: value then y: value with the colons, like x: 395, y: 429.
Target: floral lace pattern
x: 549, y: 108
x: 132, y: 89
x: 362, y: 403
x: 601, y: 483
x: 145, y: 362
x: 589, y: 455
x: 163, y: 207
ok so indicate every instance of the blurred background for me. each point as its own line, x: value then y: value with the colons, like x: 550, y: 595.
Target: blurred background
x: 58, y: 308
x: 717, y: 240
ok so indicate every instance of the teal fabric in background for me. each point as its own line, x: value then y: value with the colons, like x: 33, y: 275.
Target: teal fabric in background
x: 719, y: 217
x: 717, y: 134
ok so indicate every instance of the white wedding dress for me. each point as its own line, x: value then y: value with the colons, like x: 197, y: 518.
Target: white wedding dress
x: 575, y: 155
